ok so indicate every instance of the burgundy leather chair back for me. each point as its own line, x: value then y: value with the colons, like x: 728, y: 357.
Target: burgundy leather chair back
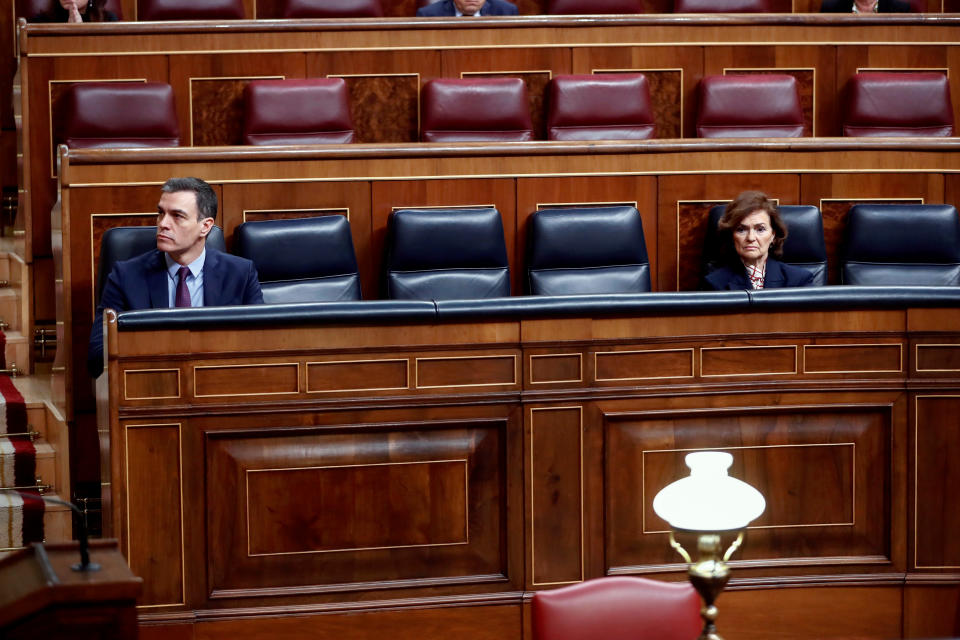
x: 749, y: 106
x: 909, y: 103
x: 190, y: 10
x: 593, y: 7
x: 119, y: 114
x: 722, y: 6
x: 617, y: 608
x: 310, y: 111
x: 475, y: 110
x: 30, y: 8
x: 608, y: 106
x: 331, y: 9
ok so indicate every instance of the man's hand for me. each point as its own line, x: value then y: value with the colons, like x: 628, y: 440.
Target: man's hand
x: 73, y: 9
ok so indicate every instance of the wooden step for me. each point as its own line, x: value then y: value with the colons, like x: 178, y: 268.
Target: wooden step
x: 57, y: 523
x: 17, y: 351
x: 52, y: 429
x: 10, y: 307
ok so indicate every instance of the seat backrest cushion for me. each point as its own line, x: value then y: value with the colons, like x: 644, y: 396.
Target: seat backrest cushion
x: 588, y: 250
x: 617, y: 608
x: 749, y: 106
x: 331, y: 9
x: 309, y: 111
x: 301, y: 260
x: 911, y: 244
x: 475, y: 110
x: 898, y: 104
x: 119, y: 114
x: 123, y: 243
x: 190, y: 10
x: 594, y: 7
x: 609, y: 106
x: 722, y: 6
x: 446, y: 254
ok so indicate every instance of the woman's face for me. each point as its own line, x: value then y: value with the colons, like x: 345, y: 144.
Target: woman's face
x: 752, y: 237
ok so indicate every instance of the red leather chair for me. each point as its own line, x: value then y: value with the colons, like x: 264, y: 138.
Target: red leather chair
x: 617, y: 608
x: 749, y: 106
x: 609, y: 106
x: 190, y: 10
x: 119, y: 114
x: 593, y: 7
x: 475, y: 110
x: 898, y: 104
x: 311, y: 111
x: 722, y: 6
x: 331, y: 9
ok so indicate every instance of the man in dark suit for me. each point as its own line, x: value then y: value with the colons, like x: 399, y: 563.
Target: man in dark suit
x: 467, y: 8
x: 865, y: 6
x: 180, y: 272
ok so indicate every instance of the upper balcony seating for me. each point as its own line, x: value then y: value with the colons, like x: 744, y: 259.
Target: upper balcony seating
x: 190, y: 10
x: 302, y: 260
x: 30, y: 9
x: 475, y: 110
x: 898, y: 104
x: 594, y: 7
x: 446, y: 254
x: 331, y: 9
x: 609, y: 106
x: 119, y: 114
x: 722, y: 6
x: 902, y: 244
x: 308, y: 111
x: 617, y: 608
x: 758, y: 105
x: 586, y: 251
x: 804, y: 246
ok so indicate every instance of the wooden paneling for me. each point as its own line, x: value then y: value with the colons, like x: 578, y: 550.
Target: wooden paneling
x: 148, y: 384
x: 935, y: 478
x: 937, y: 358
x: 358, y: 375
x: 649, y: 364
x: 467, y: 371
x: 920, y: 600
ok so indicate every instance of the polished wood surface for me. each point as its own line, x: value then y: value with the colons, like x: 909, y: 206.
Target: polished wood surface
x: 442, y: 500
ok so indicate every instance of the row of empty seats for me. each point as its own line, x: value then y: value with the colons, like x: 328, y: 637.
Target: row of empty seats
x: 449, y: 254
x: 581, y: 107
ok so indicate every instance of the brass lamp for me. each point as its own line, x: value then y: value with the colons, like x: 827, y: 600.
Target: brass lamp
x: 714, y: 509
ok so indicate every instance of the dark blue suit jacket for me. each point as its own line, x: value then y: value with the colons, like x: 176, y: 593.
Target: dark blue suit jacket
x: 141, y: 283
x: 732, y: 278
x: 446, y: 8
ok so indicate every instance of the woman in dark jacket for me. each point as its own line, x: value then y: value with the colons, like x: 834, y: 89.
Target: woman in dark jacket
x: 76, y: 11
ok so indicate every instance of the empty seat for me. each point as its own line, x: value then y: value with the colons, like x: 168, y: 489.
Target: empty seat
x: 804, y: 246
x: 898, y: 104
x: 301, y: 260
x: 617, y: 608
x: 588, y: 250
x: 190, y: 10
x: 476, y: 110
x: 722, y: 6
x: 311, y: 111
x: 611, y: 106
x: 123, y: 243
x: 118, y: 114
x: 446, y: 254
x: 331, y: 9
x: 749, y: 106
x: 594, y: 7
x: 902, y: 244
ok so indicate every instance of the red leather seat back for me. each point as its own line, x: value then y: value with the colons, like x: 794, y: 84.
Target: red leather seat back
x: 190, y: 10
x: 898, y: 104
x: 722, y: 6
x: 749, y: 106
x: 31, y: 8
x: 593, y: 7
x: 119, y: 114
x: 331, y: 9
x: 617, y: 608
x: 609, y: 106
x: 310, y: 111
x: 475, y: 110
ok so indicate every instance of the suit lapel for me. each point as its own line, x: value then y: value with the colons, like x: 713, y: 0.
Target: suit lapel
x: 774, y: 277
x: 157, y: 283
x: 212, y: 279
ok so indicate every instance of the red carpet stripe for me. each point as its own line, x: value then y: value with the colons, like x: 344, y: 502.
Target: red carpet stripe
x: 13, y: 412
x: 32, y: 517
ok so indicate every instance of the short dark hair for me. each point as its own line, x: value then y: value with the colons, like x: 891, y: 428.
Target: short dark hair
x: 206, y: 197
x: 742, y: 206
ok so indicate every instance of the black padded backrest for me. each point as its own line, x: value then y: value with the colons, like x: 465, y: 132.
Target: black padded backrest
x: 301, y: 260
x: 902, y: 244
x: 587, y: 250
x: 804, y: 247
x: 446, y: 254
x: 123, y: 243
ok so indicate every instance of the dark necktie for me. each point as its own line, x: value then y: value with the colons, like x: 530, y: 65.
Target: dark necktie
x: 183, y: 294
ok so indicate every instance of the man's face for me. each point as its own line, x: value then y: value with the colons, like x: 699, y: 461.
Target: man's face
x: 469, y: 7
x: 180, y: 232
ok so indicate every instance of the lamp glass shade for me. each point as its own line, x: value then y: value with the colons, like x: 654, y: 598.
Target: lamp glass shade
x: 709, y: 499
